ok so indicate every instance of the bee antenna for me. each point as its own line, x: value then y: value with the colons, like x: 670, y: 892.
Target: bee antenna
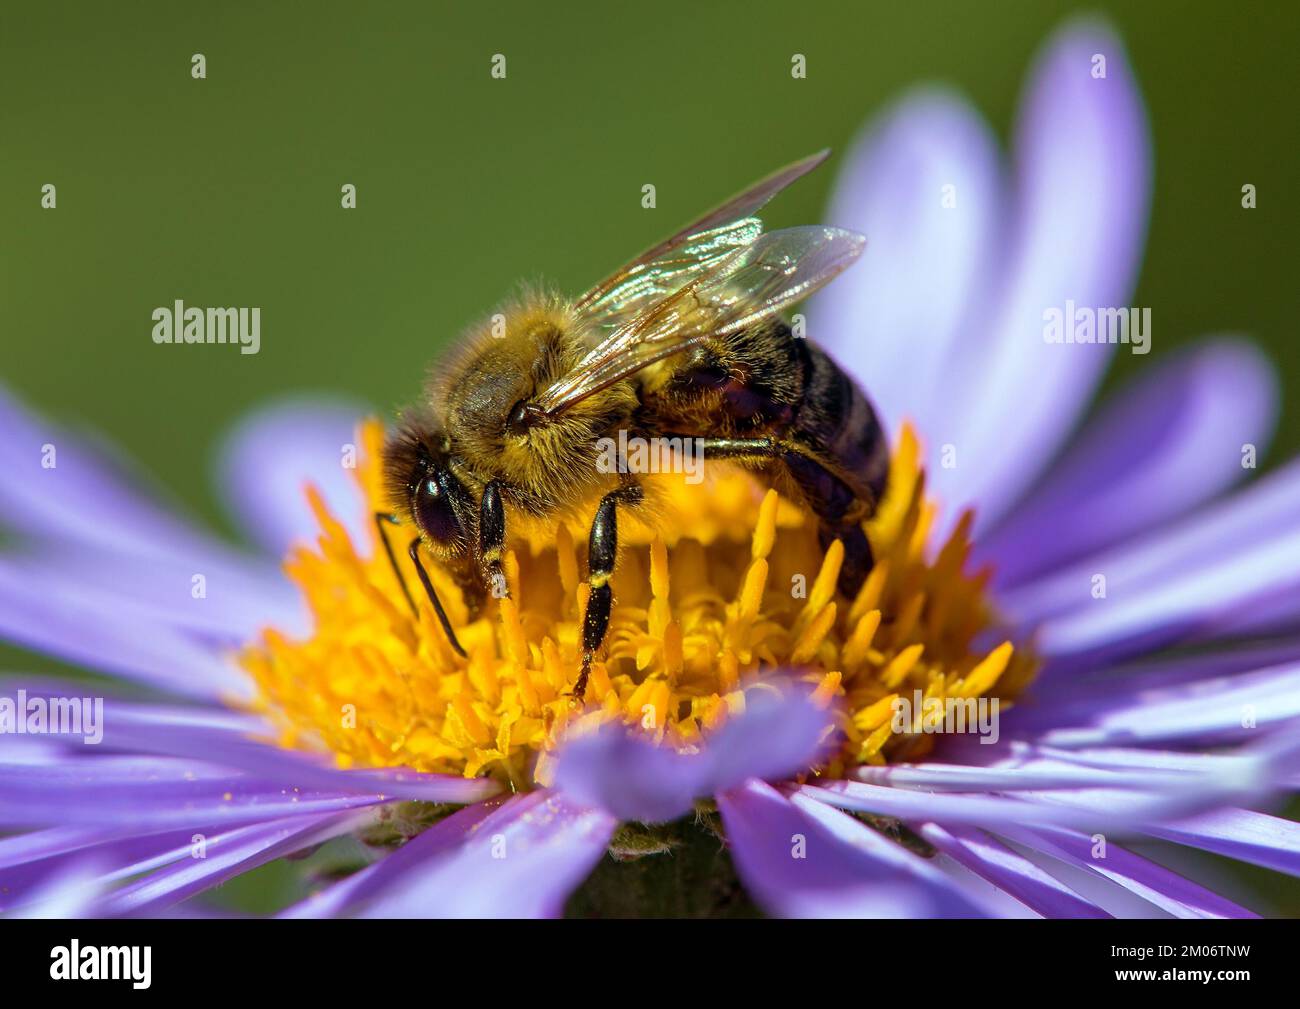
x: 380, y: 519
x: 414, y: 551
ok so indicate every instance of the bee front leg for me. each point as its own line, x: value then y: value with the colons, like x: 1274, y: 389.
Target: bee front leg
x: 602, y: 552
x: 492, y: 541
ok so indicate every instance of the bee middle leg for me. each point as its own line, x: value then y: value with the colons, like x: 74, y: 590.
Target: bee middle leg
x: 602, y: 551
x: 832, y: 501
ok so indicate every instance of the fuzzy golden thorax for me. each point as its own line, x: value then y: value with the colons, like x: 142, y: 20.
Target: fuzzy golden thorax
x: 544, y: 467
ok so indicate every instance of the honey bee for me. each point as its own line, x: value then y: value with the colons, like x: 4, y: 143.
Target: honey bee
x: 685, y: 341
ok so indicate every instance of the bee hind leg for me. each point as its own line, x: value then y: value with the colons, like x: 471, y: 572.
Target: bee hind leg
x: 837, y: 507
x: 602, y: 551
x: 840, y: 513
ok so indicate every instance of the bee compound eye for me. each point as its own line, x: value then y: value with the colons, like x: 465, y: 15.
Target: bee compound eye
x: 435, y: 508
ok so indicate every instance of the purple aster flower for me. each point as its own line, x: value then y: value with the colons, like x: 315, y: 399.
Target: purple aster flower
x: 224, y: 746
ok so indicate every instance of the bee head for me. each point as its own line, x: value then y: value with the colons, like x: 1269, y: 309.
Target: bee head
x: 423, y: 485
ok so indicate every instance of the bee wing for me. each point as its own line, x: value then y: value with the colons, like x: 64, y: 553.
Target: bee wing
x: 744, y: 286
x: 697, y: 247
x: 636, y: 288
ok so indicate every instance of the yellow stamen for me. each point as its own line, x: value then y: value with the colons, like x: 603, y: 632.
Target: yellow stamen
x: 813, y: 635
x: 708, y: 605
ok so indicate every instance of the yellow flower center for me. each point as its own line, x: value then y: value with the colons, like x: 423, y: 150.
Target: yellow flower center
x: 728, y: 587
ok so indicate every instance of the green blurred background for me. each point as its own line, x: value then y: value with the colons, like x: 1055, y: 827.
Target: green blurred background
x: 225, y: 191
